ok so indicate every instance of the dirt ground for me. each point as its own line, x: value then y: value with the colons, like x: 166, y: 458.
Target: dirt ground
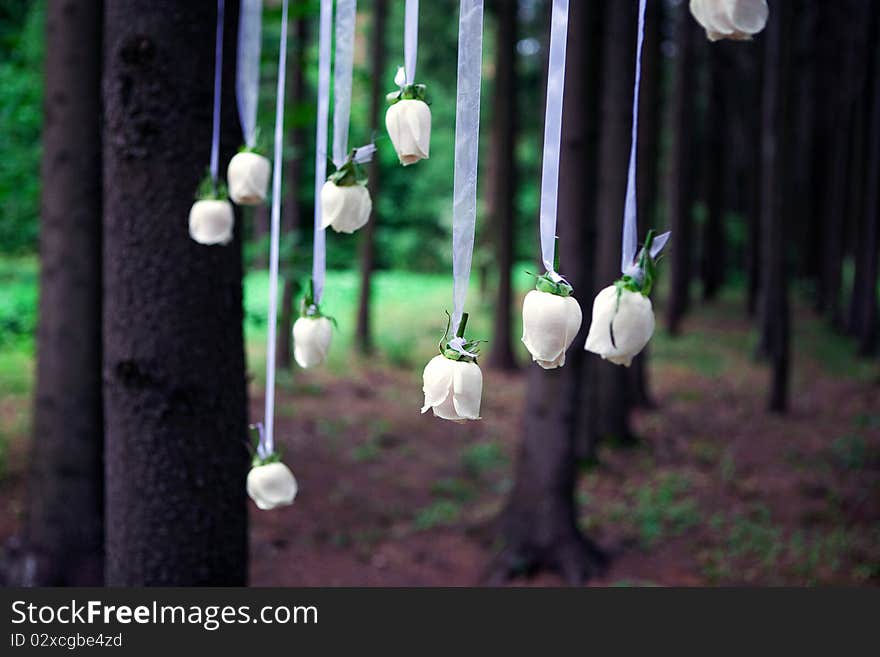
x: 717, y: 492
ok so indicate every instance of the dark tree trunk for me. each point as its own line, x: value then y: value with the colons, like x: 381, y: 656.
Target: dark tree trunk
x: 866, y: 282
x: 753, y: 181
x: 716, y: 167
x: 858, y: 183
x: 63, y: 542
x: 260, y: 234
x: 647, y: 162
x: 363, y: 333
x: 174, y: 377
x: 612, y: 403
x: 679, y: 194
x: 502, y: 181
x: 837, y: 187
x: 776, y: 148
x: 292, y: 210
x: 539, y: 525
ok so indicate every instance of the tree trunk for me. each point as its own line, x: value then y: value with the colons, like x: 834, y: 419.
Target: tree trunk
x: 502, y: 182
x: 292, y: 210
x: 835, y: 198
x: 363, y: 333
x: 539, y: 525
x: 63, y: 541
x: 612, y: 403
x: 866, y: 283
x: 260, y: 235
x: 776, y: 147
x: 857, y: 182
x: 679, y: 194
x: 647, y: 162
x: 174, y: 376
x: 716, y: 128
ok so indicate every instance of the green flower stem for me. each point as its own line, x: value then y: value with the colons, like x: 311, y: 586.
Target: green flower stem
x: 461, y: 325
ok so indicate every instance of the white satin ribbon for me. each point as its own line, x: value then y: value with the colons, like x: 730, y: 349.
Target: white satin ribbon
x: 218, y: 80
x: 319, y: 254
x: 553, y: 134
x: 346, y: 12
x: 467, y: 137
x: 411, y: 39
x: 630, y: 243
x: 274, y: 240
x: 247, y: 73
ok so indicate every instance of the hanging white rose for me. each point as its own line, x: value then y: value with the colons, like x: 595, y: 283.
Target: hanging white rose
x: 271, y: 485
x: 248, y: 178
x: 622, y: 325
x: 551, y: 320
x: 730, y: 19
x: 408, y: 121
x: 452, y: 381
x: 623, y: 318
x: 345, y: 208
x: 311, y: 340
x: 211, y: 221
x: 312, y: 333
x: 409, y: 125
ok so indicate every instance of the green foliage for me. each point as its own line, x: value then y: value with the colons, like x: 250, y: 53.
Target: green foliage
x: 481, y: 458
x: 18, y: 302
x: 441, y: 513
x: 21, y: 117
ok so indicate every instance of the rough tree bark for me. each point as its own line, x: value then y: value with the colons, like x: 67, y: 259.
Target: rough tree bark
x: 678, y: 183
x: 363, y: 334
x: 647, y: 162
x: 293, y: 209
x: 539, y: 525
x: 502, y: 181
x: 63, y: 536
x: 174, y: 376
x: 776, y: 148
x: 612, y: 407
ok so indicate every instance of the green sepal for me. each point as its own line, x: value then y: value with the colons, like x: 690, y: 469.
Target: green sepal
x: 259, y: 147
x: 544, y: 283
x: 210, y: 189
x: 309, y: 309
x: 274, y: 457
x: 471, y: 345
x: 408, y: 92
x: 349, y: 174
x: 647, y: 265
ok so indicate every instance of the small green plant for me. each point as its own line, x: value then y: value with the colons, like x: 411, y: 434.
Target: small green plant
x: 481, y: 458
x: 441, y: 513
x: 850, y: 452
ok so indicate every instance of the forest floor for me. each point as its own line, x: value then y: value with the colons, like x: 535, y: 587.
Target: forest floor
x: 718, y: 491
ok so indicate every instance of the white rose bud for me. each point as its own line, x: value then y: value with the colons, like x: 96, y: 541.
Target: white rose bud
x: 248, y: 178
x: 211, y: 221
x: 453, y: 388
x: 730, y: 19
x: 271, y: 485
x: 311, y: 340
x: 633, y: 325
x: 409, y: 125
x: 550, y: 323
x: 344, y: 208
